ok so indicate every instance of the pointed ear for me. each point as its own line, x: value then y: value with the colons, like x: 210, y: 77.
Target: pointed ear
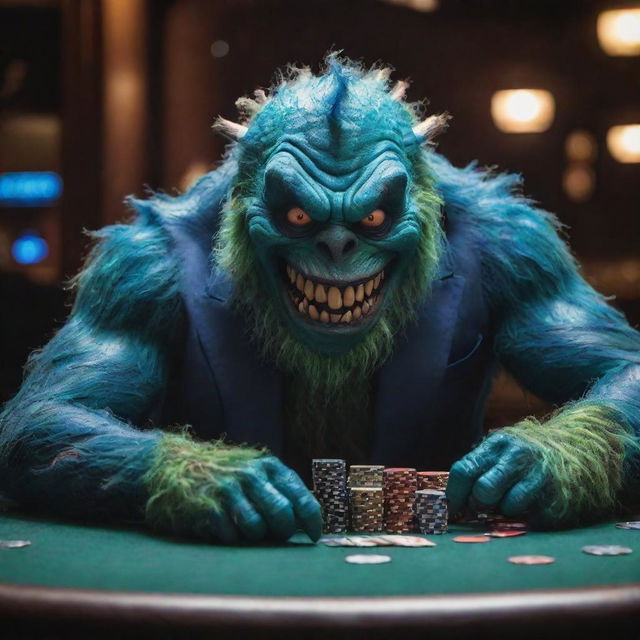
x: 431, y: 127
x: 230, y: 130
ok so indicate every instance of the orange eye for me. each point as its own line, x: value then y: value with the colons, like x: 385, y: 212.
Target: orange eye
x: 298, y: 217
x: 374, y: 219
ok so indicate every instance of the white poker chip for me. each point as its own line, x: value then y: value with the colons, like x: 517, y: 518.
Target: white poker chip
x: 360, y: 558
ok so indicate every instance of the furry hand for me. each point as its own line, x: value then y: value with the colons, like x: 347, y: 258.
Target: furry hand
x: 565, y: 471
x: 502, y: 472
x: 225, y: 493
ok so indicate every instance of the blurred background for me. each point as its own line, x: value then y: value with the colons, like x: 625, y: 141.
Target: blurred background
x: 103, y: 98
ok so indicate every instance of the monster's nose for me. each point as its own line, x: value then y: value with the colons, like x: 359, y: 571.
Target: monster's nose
x: 337, y: 242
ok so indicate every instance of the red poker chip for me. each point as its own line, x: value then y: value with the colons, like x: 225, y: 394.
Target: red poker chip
x: 505, y: 533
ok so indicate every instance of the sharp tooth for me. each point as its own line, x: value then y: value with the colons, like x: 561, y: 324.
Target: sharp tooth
x: 308, y: 289
x: 335, y: 298
x: 300, y: 282
x: 292, y: 275
x: 368, y: 288
x: 313, y: 312
x: 346, y: 317
x: 360, y: 293
x: 357, y: 312
x: 365, y: 308
x: 335, y: 317
x: 376, y: 282
x: 349, y: 297
x: 324, y: 317
x: 303, y: 306
x: 321, y: 293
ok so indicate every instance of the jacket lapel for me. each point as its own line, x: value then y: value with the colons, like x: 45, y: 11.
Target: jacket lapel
x: 250, y: 390
x: 408, y: 383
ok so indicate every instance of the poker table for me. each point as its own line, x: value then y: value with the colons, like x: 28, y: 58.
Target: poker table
x: 110, y: 581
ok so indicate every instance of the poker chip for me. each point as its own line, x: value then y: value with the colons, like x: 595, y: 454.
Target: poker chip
x: 634, y: 526
x: 367, y: 559
x: 330, y: 489
x: 531, y: 560
x: 606, y: 550
x: 367, y: 509
x: 14, y: 544
x: 471, y: 539
x: 400, y: 485
x: 436, y: 480
x: 365, y: 475
x: 375, y: 499
x: 431, y: 511
x: 502, y: 523
x: 505, y: 533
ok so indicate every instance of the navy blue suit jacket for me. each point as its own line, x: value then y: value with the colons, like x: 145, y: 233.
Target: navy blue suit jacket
x: 429, y: 396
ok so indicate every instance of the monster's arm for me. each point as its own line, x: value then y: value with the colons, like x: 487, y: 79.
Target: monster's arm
x: 68, y: 443
x: 561, y: 340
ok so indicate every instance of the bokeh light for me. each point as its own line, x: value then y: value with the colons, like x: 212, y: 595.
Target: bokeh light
x: 623, y: 142
x: 581, y: 146
x: 578, y: 182
x: 29, y: 188
x: 220, y: 48
x: 619, y: 31
x: 29, y: 248
x: 522, y: 110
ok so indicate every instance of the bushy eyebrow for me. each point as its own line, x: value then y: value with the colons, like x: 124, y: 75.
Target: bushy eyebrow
x: 384, y: 187
x: 287, y: 184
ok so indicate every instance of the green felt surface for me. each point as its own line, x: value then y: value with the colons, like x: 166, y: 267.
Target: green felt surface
x: 69, y: 555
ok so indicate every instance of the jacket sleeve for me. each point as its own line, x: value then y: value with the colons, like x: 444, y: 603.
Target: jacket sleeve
x: 73, y: 440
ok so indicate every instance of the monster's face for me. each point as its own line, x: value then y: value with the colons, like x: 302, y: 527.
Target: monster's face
x: 331, y: 213
x: 333, y: 239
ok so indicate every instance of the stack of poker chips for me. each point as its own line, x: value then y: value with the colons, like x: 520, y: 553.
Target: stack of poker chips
x: 330, y: 489
x: 367, y: 509
x: 431, y: 511
x: 400, y: 487
x: 365, y: 475
x: 433, y: 480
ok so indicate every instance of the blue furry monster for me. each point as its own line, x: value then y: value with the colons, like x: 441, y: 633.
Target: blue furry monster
x: 334, y: 289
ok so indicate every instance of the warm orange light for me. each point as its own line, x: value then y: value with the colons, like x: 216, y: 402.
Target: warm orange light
x: 623, y: 143
x: 580, y: 146
x: 578, y: 182
x: 426, y: 6
x: 523, y: 110
x: 619, y: 32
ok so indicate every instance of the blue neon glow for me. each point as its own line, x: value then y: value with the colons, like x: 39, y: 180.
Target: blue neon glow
x: 29, y: 248
x: 29, y: 188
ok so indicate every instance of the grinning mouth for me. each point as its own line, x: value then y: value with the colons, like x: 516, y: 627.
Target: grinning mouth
x: 334, y: 303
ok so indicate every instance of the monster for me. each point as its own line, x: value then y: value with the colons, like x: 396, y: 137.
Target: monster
x: 334, y: 288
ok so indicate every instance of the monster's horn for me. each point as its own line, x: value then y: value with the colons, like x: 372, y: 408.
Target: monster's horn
x: 247, y: 107
x: 228, y: 129
x: 431, y: 127
x: 398, y: 91
x: 382, y: 75
x: 261, y: 96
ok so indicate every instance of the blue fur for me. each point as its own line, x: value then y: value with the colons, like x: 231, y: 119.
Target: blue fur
x: 555, y: 334
x: 66, y: 440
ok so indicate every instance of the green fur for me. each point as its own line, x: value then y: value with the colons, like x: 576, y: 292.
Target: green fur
x: 324, y: 373
x: 584, y: 451
x: 185, y: 481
